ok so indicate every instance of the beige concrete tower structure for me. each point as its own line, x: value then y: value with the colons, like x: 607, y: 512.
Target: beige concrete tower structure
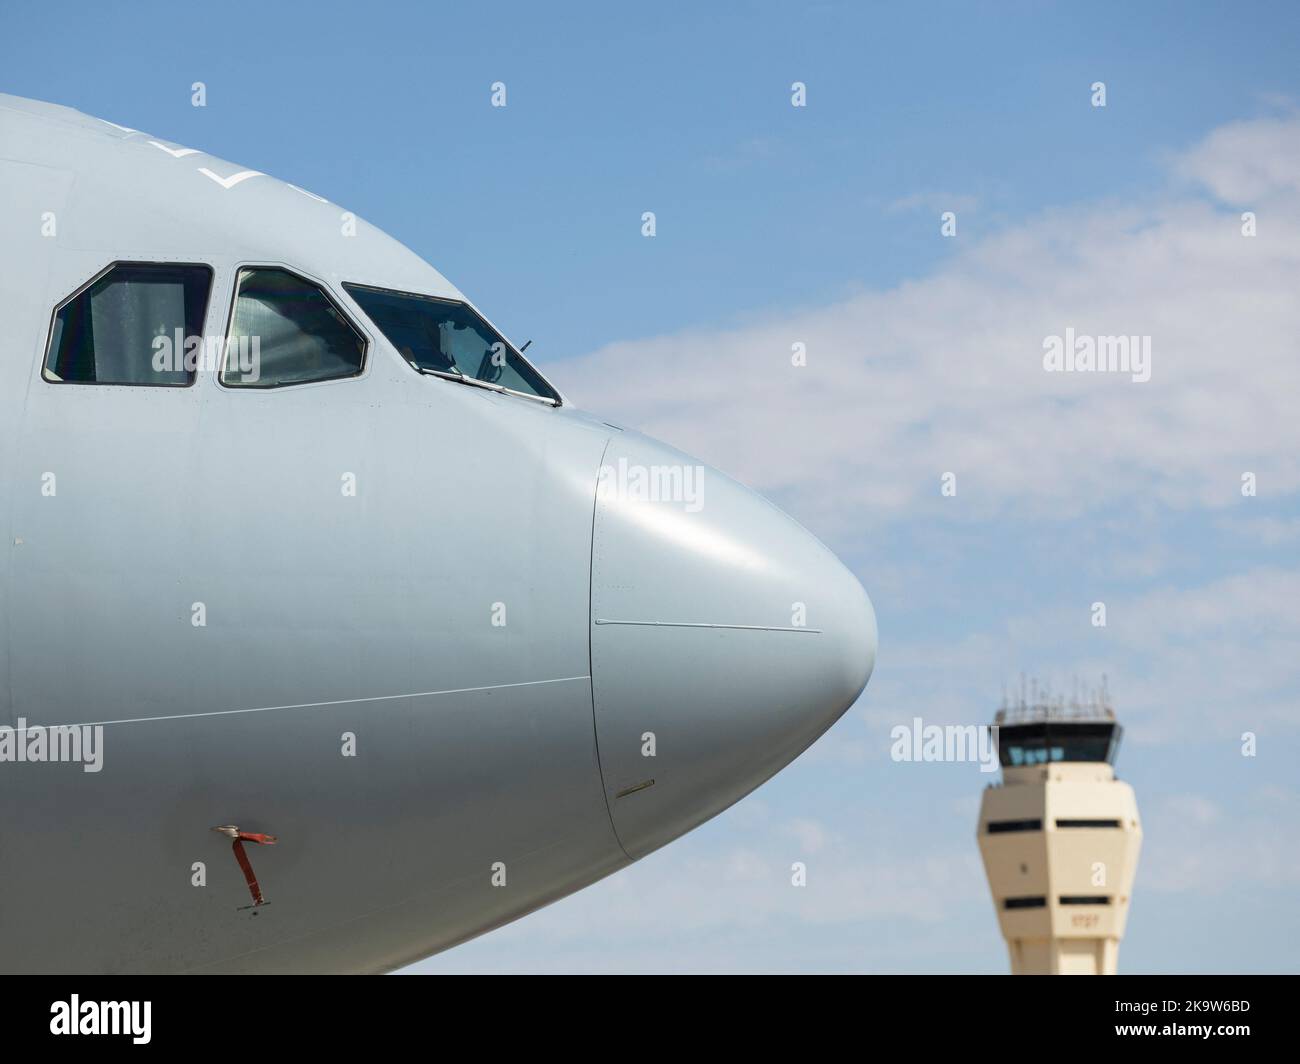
x: 1060, y: 837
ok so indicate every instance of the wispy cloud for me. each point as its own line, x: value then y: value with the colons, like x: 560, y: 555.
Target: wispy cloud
x: 945, y: 374
x: 744, y: 154
x: 934, y: 202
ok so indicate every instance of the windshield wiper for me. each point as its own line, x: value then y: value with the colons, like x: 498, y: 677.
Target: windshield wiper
x: 463, y: 378
x: 454, y: 373
x: 458, y: 374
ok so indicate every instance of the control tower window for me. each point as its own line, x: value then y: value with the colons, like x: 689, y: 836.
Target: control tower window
x: 447, y: 338
x: 1045, y: 742
x: 286, y: 330
x: 137, y: 323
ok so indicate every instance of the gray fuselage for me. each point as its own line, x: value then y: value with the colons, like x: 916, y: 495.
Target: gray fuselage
x: 492, y: 672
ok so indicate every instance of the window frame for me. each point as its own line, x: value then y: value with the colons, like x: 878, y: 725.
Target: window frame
x: 84, y: 288
x: 546, y: 400
x: 367, y: 340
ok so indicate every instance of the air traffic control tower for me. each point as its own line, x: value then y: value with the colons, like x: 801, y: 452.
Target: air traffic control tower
x: 1060, y: 837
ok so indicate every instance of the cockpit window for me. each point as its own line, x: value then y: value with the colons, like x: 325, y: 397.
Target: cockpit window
x: 137, y: 323
x: 446, y: 337
x: 286, y: 330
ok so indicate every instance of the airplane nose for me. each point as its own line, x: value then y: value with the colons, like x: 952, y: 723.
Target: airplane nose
x: 724, y: 640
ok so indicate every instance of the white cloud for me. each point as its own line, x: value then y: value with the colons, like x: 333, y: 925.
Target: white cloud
x: 1196, y: 664
x: 1206, y: 663
x: 1266, y: 531
x: 810, y: 835
x: 945, y: 373
x: 705, y: 901
x: 1246, y: 162
x: 747, y: 153
x: 1190, y: 846
x: 935, y: 202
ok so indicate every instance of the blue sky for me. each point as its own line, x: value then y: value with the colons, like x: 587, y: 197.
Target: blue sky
x: 821, y: 225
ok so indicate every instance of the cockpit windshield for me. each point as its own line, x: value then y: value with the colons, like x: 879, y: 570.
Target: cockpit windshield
x: 446, y: 337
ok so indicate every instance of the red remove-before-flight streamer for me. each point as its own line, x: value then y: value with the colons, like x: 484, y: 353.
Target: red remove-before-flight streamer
x: 241, y: 837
